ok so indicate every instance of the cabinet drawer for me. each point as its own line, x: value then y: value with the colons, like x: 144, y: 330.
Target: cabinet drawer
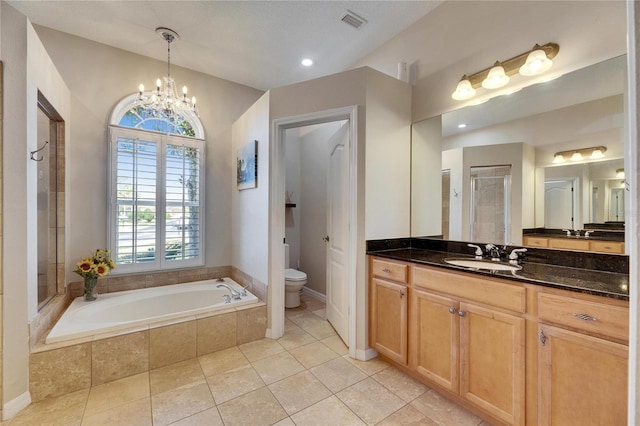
x: 569, y: 244
x: 607, y: 246
x: 389, y: 270
x: 585, y: 315
x: 536, y: 242
x: 485, y: 290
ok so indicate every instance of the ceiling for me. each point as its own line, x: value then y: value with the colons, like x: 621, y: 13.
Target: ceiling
x: 256, y: 43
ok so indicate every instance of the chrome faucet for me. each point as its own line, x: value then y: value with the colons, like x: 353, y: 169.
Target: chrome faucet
x: 478, y: 250
x: 235, y: 294
x: 514, y: 255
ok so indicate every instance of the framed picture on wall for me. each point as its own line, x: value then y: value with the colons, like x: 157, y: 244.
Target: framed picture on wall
x: 247, y: 166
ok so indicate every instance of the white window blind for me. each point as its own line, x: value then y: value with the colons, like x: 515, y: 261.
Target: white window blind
x: 156, y: 213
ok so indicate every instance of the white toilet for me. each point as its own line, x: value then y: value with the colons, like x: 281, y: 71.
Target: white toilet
x: 294, y: 280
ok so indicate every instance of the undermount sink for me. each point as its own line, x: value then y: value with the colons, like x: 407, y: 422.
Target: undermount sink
x: 488, y: 265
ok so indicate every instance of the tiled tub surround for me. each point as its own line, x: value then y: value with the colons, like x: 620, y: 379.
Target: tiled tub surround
x: 129, y: 309
x: 62, y: 368
x: 593, y: 273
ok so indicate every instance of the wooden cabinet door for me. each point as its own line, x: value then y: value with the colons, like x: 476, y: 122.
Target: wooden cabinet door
x: 433, y: 346
x: 492, y: 361
x: 568, y: 244
x: 582, y: 379
x: 389, y: 319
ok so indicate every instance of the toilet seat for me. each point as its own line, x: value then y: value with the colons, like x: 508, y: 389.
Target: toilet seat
x: 294, y: 275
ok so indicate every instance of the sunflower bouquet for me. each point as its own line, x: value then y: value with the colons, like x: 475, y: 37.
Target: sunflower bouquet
x: 98, y: 265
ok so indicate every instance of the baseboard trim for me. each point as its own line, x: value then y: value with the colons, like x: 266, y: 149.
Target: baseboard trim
x: 16, y: 405
x: 366, y: 354
x: 315, y: 294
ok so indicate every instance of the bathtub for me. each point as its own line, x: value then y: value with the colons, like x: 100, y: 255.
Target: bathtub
x: 113, y: 312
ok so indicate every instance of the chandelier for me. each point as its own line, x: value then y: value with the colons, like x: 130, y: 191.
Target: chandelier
x: 164, y: 101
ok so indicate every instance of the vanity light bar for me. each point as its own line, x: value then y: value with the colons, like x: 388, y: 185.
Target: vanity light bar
x: 593, y: 153
x: 532, y: 62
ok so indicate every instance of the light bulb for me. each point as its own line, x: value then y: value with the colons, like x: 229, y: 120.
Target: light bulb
x: 496, y: 77
x: 597, y: 153
x: 576, y: 156
x: 620, y: 173
x: 464, y: 90
x: 558, y: 158
x: 141, y: 88
x: 537, y: 62
x: 158, y: 84
x: 307, y: 62
x: 193, y: 101
x: 184, y: 90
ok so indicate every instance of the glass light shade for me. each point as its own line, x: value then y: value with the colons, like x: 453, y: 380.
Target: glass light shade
x: 558, y: 158
x: 496, y: 78
x: 464, y: 90
x: 536, y: 63
x: 620, y: 173
x: 141, y: 88
x: 597, y: 153
x: 576, y: 156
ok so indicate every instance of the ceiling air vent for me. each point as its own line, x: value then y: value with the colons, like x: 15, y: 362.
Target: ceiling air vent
x: 353, y: 19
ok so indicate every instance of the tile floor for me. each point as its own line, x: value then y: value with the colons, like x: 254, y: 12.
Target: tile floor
x: 304, y: 378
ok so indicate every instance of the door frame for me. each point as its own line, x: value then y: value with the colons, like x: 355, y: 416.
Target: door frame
x: 275, y: 290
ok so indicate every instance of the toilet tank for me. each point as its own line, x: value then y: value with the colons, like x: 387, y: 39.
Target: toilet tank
x: 286, y: 256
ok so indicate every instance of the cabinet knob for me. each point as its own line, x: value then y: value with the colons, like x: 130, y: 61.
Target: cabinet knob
x: 462, y: 313
x: 401, y: 294
x: 585, y: 317
x: 386, y: 270
x: 452, y: 310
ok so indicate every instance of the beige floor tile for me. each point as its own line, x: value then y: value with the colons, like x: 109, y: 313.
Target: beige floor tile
x: 174, y: 376
x: 322, y: 313
x: 336, y: 344
x: 370, y: 367
x: 255, y: 408
x: 261, y: 349
x: 313, y: 354
x: 285, y: 422
x: 176, y: 404
x: 371, y: 401
x: 338, y: 374
x: 306, y: 319
x: 311, y: 303
x: 330, y: 411
x: 233, y: 383
x: 321, y: 331
x: 409, y: 416
x: 399, y: 383
x: 295, y: 338
x: 277, y: 367
x: 219, y: 362
x: 61, y: 410
x: 299, y: 391
x: 137, y: 413
x: 115, y: 394
x: 290, y: 325
x: 209, y: 417
x: 439, y: 409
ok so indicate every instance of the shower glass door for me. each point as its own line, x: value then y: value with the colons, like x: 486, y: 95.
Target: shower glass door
x: 490, y: 200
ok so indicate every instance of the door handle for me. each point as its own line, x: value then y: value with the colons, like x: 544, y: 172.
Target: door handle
x: 325, y: 238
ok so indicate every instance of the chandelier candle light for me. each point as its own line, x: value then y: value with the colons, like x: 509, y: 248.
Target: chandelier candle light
x: 165, y: 98
x: 533, y: 62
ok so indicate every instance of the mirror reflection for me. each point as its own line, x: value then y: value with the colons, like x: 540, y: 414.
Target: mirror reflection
x: 494, y: 162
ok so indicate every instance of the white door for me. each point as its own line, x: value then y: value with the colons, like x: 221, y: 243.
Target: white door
x: 337, y: 238
x: 558, y: 204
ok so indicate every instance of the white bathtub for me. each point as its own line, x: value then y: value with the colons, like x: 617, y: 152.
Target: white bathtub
x: 126, y: 309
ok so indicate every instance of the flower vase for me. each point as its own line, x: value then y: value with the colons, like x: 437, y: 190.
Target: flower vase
x: 90, y: 291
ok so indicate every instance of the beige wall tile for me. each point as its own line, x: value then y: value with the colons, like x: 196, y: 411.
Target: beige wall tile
x: 171, y: 344
x: 216, y: 333
x: 252, y: 324
x: 119, y: 357
x: 60, y: 371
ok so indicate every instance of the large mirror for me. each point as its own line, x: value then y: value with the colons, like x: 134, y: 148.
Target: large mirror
x: 501, y: 153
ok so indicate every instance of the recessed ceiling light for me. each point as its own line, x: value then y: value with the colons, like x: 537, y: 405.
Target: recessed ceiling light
x: 307, y: 62
x: 461, y: 126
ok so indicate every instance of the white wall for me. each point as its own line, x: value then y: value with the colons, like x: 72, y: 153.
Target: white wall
x: 452, y: 160
x: 250, y: 207
x: 98, y: 77
x: 292, y: 186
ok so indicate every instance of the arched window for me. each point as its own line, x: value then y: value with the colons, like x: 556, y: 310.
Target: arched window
x: 156, y: 213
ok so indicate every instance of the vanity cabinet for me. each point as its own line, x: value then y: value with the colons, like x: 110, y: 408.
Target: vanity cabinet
x: 582, y: 366
x: 468, y: 345
x: 602, y: 246
x: 389, y: 309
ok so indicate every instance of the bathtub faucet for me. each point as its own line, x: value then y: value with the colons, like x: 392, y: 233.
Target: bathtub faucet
x: 235, y: 294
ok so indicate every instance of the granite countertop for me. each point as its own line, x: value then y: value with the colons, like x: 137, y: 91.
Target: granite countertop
x: 608, y: 284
